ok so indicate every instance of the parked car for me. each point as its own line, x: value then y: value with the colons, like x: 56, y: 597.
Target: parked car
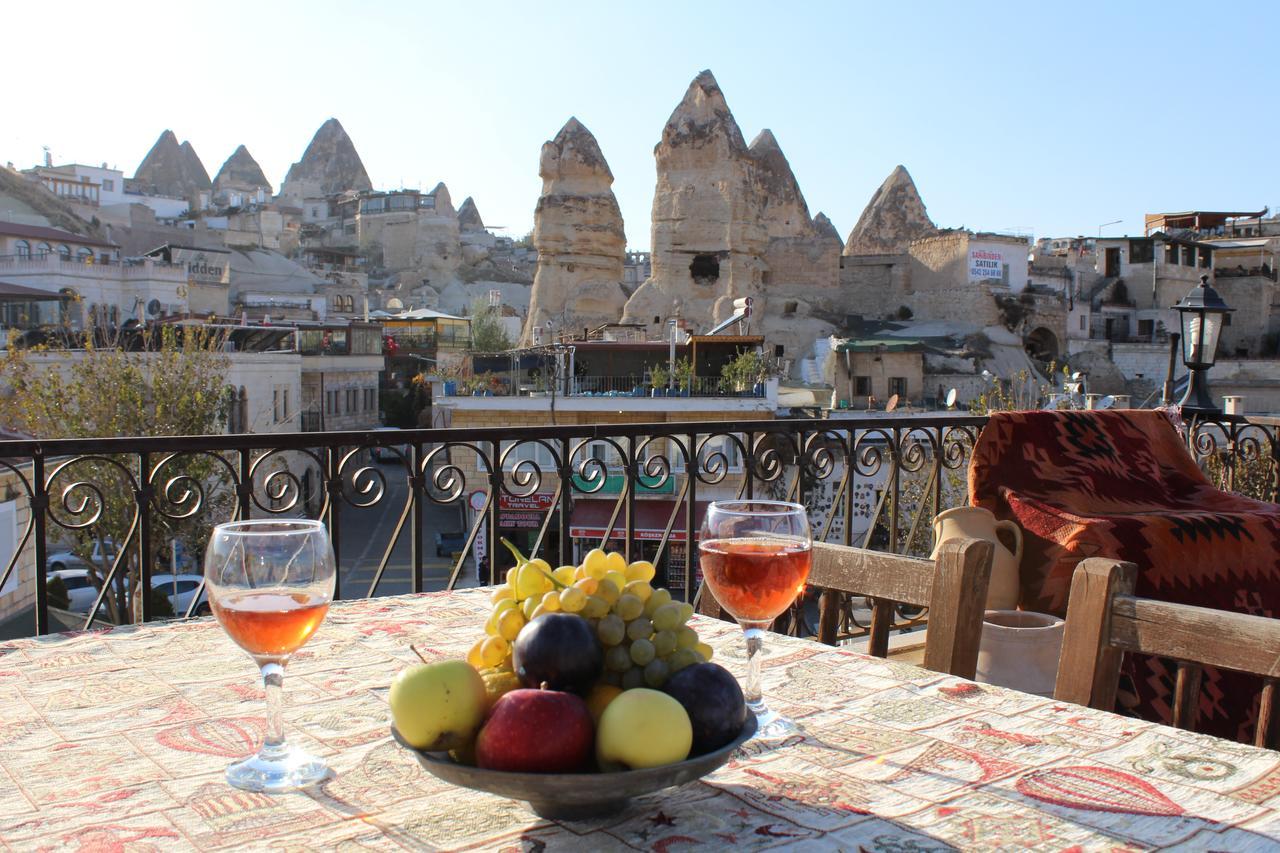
x: 387, y: 453
x: 67, y: 559
x: 81, y: 591
x: 180, y: 589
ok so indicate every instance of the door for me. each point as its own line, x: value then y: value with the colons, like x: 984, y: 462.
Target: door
x: 1111, y: 265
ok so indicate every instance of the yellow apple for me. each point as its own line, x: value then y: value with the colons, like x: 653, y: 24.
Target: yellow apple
x: 438, y: 706
x: 642, y: 728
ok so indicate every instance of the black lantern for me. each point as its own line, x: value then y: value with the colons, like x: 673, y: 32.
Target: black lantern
x: 1202, y: 312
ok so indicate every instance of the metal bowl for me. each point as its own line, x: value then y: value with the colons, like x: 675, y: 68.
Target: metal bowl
x: 576, y: 796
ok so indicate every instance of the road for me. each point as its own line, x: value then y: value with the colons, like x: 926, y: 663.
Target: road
x: 366, y: 532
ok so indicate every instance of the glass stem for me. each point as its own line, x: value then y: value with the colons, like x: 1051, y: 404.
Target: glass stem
x: 751, y: 690
x: 273, y: 685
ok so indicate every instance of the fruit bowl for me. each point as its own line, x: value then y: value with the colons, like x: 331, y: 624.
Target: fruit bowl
x: 576, y: 796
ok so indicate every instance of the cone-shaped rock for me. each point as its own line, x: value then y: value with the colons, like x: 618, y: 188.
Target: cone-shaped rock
x: 171, y: 169
x: 577, y: 231
x: 709, y: 235
x: 785, y: 212
x: 240, y: 172
x: 469, y: 216
x: 329, y: 165
x: 826, y: 230
x: 892, y: 219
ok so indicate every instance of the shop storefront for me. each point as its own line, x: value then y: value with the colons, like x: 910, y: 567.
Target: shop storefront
x: 591, y: 518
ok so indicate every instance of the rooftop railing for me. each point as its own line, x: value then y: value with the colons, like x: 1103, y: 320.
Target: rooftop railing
x: 431, y: 511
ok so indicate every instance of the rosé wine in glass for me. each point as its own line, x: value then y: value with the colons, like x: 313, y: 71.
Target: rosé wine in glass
x: 270, y: 584
x: 755, y: 557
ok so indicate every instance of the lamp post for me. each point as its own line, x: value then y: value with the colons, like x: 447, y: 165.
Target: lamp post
x: 1201, y: 312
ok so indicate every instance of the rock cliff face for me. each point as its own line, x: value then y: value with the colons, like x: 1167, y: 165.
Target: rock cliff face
x: 730, y: 221
x: 892, y: 219
x: 578, y: 233
x: 469, y: 216
x: 825, y: 228
x: 329, y: 165
x: 171, y: 169
x: 240, y: 172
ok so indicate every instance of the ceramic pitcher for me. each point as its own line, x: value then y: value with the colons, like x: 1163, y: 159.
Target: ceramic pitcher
x: 972, y: 522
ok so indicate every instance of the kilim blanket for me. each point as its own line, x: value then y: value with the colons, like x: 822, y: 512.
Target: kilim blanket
x: 1121, y: 484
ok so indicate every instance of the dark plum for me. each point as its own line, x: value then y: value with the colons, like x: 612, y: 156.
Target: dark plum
x: 712, y: 698
x: 560, y: 651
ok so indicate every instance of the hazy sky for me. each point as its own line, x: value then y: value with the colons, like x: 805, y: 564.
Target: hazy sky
x: 1051, y: 118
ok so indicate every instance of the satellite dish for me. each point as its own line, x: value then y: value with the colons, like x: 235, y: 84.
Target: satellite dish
x: 951, y: 399
x: 153, y: 307
x: 892, y: 404
x: 986, y: 374
x: 1106, y: 402
x: 1077, y: 376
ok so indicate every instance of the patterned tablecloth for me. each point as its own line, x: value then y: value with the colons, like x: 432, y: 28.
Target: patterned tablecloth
x: 117, y: 741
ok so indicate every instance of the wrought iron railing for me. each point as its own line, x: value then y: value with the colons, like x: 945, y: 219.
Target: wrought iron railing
x: 868, y: 481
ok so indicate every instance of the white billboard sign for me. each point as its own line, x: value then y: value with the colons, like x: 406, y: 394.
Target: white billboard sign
x: 986, y: 264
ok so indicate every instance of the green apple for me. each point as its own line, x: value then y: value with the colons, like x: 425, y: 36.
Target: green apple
x: 642, y: 728
x: 438, y: 706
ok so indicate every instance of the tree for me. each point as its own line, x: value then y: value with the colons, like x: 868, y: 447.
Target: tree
x: 149, y: 383
x: 488, y: 334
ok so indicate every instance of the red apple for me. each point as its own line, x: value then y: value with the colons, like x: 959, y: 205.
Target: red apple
x: 536, y: 731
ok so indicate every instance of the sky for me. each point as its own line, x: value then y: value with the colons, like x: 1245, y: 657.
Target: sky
x: 1045, y: 118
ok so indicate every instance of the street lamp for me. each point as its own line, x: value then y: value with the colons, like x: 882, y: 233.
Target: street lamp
x: 1105, y: 224
x: 1202, y: 312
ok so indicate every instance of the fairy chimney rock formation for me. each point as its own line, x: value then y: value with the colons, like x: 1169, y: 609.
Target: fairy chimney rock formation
x: 240, y: 172
x: 784, y: 210
x: 826, y: 230
x: 329, y: 165
x: 170, y: 169
x: 709, y: 236
x: 469, y: 216
x: 578, y: 234
x: 893, y: 218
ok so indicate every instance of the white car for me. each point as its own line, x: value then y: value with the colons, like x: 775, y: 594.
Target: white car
x: 81, y: 591
x: 67, y: 559
x: 180, y: 589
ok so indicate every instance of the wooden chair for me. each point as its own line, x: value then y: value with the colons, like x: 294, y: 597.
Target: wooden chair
x: 1105, y: 620
x: 953, y: 587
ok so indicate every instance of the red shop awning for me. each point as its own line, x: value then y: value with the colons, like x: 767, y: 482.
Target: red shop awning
x: 591, y: 517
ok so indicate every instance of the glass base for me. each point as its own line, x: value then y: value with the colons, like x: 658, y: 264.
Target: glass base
x: 276, y: 770
x: 771, y: 724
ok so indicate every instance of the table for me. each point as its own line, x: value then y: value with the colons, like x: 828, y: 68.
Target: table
x: 118, y: 740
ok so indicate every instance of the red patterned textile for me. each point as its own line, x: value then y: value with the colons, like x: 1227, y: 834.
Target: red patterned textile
x: 1121, y: 484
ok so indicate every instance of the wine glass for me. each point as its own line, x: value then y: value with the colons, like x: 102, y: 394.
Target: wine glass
x: 755, y: 557
x: 270, y: 583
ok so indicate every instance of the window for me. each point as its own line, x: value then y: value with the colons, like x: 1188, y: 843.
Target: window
x: 76, y: 582
x: 275, y: 404
x: 109, y: 184
x: 862, y: 386
x: 44, y: 249
x: 64, y: 251
x: 1084, y: 322
x: 22, y: 249
x: 898, y: 385
x: 529, y: 452
x: 331, y: 402
x: 351, y: 399
x: 1146, y: 328
x: 83, y: 255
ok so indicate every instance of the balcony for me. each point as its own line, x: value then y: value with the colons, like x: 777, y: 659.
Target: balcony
x: 389, y: 497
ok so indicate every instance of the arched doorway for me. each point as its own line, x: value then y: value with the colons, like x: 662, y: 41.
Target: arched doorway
x: 1042, y: 344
